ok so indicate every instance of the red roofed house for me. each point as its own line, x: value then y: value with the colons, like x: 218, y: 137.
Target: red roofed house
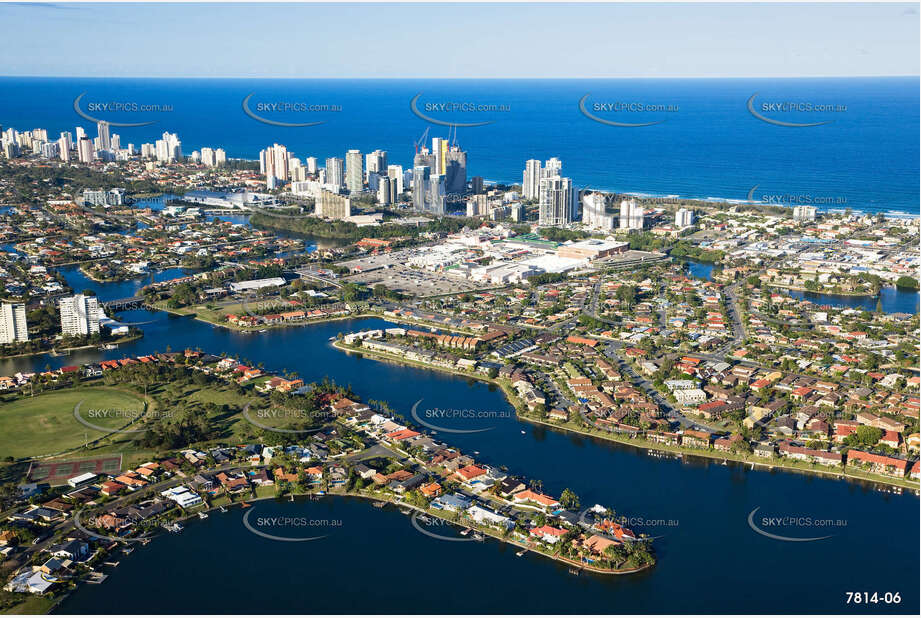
x: 548, y: 534
x: 531, y: 496
x: 881, y: 464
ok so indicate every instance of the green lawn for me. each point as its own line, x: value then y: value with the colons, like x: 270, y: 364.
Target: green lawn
x: 46, y: 424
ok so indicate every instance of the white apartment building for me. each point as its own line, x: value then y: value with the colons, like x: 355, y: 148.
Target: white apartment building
x: 13, y: 326
x: 80, y: 315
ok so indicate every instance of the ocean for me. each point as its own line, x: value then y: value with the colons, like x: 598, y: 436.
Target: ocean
x: 701, y: 140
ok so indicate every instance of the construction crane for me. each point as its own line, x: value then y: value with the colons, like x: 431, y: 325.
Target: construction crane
x: 421, y: 140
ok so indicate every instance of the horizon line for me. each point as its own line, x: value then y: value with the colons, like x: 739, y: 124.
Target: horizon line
x: 657, y: 77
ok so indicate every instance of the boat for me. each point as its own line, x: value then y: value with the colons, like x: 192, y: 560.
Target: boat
x: 127, y: 550
x: 263, y: 330
x: 321, y: 493
x: 404, y: 511
x: 521, y: 553
x: 378, y: 505
x: 478, y: 537
x: 522, y: 431
x: 202, y: 515
x: 465, y: 531
x: 223, y: 509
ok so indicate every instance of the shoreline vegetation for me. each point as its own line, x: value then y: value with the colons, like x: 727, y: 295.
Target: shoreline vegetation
x: 771, y: 464
x: 59, y: 351
x: 416, y: 509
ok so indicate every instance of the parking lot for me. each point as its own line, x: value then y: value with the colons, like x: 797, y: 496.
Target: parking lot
x: 390, y: 270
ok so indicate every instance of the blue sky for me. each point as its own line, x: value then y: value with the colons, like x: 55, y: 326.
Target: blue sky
x: 459, y: 40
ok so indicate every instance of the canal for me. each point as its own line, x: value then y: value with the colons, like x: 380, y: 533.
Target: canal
x: 710, y: 558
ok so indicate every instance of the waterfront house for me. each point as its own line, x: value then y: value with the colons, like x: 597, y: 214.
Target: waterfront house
x: 510, y: 485
x: 485, y: 516
x: 597, y: 544
x: 430, y: 490
x: 406, y: 484
x: 548, y: 534
x: 529, y: 496
x: 470, y: 473
x: 452, y: 502
x: 74, y: 550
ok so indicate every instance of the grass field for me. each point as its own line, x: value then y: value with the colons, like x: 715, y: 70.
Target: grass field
x: 46, y: 423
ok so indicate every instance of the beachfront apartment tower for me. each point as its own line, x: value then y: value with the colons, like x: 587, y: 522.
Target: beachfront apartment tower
x: 685, y: 217
x: 354, y: 176
x: 631, y: 215
x: 530, y: 185
x: 594, y: 213
x: 335, y: 173
x: 102, y: 129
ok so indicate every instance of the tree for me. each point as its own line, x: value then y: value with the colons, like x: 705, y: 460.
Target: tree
x: 569, y: 499
x: 868, y: 435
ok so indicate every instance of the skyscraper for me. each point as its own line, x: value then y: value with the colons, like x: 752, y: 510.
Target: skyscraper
x: 335, y: 172
x: 85, y: 150
x: 273, y: 162
x: 556, y: 201
x: 384, y: 197
x: 207, y: 157
x: 395, y: 172
x: 376, y: 162
x: 552, y: 167
x: 80, y: 315
x: 594, y: 214
x: 168, y: 148
x: 67, y: 139
x: 455, y: 163
x: 424, y: 158
x: 64, y: 149
x: 102, y: 130
x: 13, y: 326
x: 428, y: 190
x: 530, y: 185
x: 439, y: 149
x: 354, y: 176
x: 631, y: 215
